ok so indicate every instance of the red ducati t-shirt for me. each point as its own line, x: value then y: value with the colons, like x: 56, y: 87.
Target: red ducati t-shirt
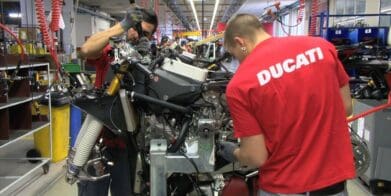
x: 102, y: 65
x: 288, y: 89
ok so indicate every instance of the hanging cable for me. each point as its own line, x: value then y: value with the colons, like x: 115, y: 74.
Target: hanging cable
x: 278, y: 18
x: 283, y: 29
x: 22, y: 55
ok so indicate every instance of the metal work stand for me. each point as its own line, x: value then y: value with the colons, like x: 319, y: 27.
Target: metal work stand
x: 163, y: 163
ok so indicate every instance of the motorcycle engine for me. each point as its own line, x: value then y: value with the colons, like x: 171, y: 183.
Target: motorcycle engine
x: 211, y: 116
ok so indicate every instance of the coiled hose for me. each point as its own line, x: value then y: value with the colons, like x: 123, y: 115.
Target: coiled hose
x: 56, y: 13
x: 314, y: 13
x: 47, y: 39
x: 40, y: 10
x: 300, y: 12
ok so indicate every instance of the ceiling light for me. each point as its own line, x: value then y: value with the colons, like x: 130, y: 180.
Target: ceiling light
x: 195, y: 14
x: 214, y: 15
x: 15, y: 15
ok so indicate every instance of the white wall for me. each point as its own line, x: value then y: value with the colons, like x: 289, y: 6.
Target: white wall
x: 83, y: 28
x: 87, y: 25
x: 372, y: 7
x: 99, y: 24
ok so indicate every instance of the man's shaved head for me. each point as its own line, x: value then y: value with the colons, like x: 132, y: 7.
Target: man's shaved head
x: 242, y: 25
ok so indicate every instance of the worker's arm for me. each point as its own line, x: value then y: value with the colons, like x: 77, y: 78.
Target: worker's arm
x: 252, y: 151
x: 93, y: 47
x: 347, y: 99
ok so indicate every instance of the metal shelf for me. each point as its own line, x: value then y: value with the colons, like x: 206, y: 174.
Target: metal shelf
x: 13, y: 101
x: 37, y: 95
x: 17, y: 134
x: 19, y: 100
x: 8, y: 182
x: 15, y: 168
x: 11, y: 67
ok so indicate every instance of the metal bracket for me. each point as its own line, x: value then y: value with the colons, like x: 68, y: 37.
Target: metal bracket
x: 158, y: 167
x: 163, y: 163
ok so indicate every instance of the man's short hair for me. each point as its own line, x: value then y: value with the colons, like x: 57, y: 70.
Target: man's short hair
x: 149, y: 16
x: 242, y: 25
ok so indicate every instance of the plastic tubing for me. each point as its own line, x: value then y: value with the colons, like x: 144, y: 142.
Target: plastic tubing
x: 40, y: 12
x: 56, y: 13
x: 16, y: 38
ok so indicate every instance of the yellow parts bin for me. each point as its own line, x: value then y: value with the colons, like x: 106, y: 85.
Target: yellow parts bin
x: 60, y: 132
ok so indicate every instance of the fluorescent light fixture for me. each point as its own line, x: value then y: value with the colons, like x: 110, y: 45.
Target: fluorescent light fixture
x: 214, y: 15
x: 195, y: 14
x: 15, y: 15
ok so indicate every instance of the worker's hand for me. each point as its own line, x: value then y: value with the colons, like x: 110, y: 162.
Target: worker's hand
x: 226, y: 150
x: 132, y: 17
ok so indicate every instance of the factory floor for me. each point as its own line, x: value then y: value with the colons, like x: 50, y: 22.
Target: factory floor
x: 53, y: 183
x: 60, y: 187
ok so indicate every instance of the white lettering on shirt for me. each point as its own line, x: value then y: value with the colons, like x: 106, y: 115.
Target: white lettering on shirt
x: 287, y: 63
x: 311, y: 54
x: 264, y: 77
x: 319, y: 53
x: 301, y: 59
x: 276, y: 73
x: 290, y: 65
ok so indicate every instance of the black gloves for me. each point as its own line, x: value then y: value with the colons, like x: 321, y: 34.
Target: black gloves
x: 132, y: 17
x: 226, y: 150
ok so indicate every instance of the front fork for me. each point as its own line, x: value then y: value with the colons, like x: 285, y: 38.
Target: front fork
x: 86, y: 148
x: 94, y: 169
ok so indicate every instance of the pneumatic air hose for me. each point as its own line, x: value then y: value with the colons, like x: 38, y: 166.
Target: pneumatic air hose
x: 56, y: 13
x: 47, y: 39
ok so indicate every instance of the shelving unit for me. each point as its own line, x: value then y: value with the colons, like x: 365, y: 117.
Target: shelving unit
x: 17, y: 127
x: 324, y: 22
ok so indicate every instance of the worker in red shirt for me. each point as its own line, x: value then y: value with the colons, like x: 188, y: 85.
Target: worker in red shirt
x: 288, y: 100
x: 137, y: 23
